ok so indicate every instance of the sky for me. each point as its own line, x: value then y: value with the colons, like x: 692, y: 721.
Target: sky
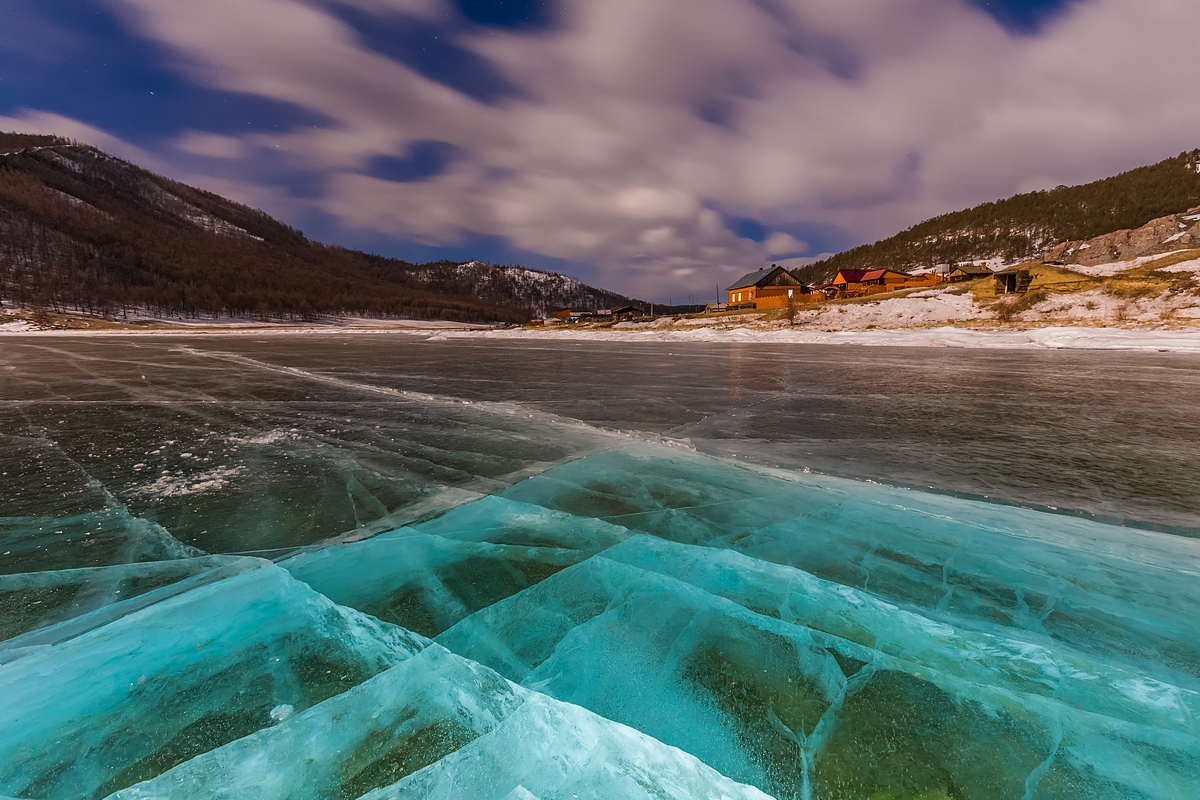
x: 660, y: 148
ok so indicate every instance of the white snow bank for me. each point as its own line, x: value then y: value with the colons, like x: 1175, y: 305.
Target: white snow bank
x: 1183, y: 266
x: 929, y: 307
x: 1101, y: 307
x: 1053, y: 338
x: 1110, y: 269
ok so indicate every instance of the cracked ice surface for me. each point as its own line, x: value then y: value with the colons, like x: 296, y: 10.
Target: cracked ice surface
x: 510, y: 605
x: 441, y: 726
x: 642, y: 620
x: 133, y: 696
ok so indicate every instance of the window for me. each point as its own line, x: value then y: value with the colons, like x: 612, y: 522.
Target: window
x: 790, y: 292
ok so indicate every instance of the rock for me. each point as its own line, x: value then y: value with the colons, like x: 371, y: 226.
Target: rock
x: 1162, y: 235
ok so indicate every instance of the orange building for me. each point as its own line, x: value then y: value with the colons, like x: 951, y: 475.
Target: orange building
x: 859, y: 282
x: 769, y: 288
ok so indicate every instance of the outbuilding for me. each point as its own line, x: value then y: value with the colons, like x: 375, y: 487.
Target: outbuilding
x: 1013, y: 281
x: 968, y: 272
x: 625, y: 312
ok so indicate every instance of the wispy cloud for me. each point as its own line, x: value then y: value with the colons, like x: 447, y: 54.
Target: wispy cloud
x: 624, y: 136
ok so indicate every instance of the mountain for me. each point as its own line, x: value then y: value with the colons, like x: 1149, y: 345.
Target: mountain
x: 542, y: 293
x: 81, y: 230
x: 1028, y: 226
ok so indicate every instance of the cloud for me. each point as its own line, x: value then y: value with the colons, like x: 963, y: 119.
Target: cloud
x: 210, y: 145
x: 783, y: 244
x: 635, y: 130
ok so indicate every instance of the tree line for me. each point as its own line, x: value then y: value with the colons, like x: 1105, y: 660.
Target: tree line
x: 83, y: 231
x: 1026, y: 225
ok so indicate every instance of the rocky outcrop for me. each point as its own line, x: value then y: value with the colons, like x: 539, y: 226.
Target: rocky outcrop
x: 1162, y: 235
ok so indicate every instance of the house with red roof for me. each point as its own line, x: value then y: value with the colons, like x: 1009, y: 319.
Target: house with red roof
x: 859, y: 282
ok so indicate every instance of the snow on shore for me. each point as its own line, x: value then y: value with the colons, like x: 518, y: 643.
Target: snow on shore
x: 1112, y: 267
x: 930, y: 307
x: 1050, y: 338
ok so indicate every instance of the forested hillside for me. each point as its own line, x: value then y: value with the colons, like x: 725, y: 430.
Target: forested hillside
x: 83, y: 231
x: 1027, y: 225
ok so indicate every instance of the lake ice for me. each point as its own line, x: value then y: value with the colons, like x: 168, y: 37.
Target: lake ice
x: 395, y: 568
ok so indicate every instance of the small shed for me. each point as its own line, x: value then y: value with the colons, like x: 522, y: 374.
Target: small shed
x: 1013, y: 281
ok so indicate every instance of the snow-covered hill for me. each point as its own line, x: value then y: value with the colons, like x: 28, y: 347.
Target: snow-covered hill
x: 542, y: 293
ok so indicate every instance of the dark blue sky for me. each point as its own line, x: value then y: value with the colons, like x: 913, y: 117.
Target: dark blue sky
x: 457, y: 104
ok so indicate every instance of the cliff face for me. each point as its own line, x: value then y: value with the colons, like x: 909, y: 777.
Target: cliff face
x: 1162, y: 235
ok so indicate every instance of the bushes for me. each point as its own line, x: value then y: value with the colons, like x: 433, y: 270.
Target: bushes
x: 1008, y: 310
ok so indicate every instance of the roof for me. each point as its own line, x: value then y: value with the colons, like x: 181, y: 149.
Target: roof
x: 971, y: 269
x: 762, y: 277
x: 860, y: 275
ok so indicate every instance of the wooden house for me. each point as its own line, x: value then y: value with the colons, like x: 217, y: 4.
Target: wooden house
x: 625, y: 312
x: 859, y: 282
x: 768, y: 288
x: 968, y: 272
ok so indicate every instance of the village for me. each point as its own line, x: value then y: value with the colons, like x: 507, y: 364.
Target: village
x: 778, y: 288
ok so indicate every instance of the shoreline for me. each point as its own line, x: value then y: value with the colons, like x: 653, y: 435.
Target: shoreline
x: 95, y: 327
x: 1175, y: 340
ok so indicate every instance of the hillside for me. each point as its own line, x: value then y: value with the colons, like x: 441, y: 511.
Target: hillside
x: 1027, y: 226
x: 86, y: 232
x: 542, y: 293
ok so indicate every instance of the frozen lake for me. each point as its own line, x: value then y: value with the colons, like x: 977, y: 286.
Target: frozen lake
x: 399, y: 566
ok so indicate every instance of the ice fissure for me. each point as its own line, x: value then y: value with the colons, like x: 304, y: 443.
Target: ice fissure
x: 643, y: 621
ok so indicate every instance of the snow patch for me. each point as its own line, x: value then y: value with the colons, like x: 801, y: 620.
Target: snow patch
x: 1114, y: 267
x: 271, y: 437
x: 169, y: 485
x: 1048, y: 338
x: 1183, y: 266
